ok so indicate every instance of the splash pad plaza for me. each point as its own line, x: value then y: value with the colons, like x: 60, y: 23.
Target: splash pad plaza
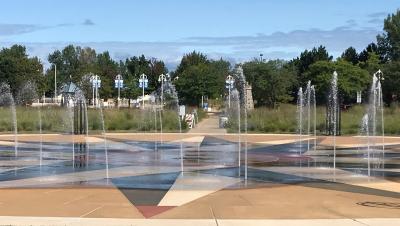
x: 205, y: 176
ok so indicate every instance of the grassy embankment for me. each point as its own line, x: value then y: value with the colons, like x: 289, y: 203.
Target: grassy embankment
x: 284, y: 120
x: 58, y: 120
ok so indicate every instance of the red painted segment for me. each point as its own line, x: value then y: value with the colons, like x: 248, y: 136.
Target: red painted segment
x: 149, y: 211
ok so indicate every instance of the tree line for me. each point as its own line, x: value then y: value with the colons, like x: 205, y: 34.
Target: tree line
x: 273, y: 81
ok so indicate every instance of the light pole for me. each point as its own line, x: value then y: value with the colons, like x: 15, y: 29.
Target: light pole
x: 96, y: 83
x: 143, y: 83
x: 162, y: 78
x: 229, y: 85
x: 119, y: 83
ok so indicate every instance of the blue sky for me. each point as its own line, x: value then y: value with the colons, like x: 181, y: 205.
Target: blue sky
x: 166, y: 29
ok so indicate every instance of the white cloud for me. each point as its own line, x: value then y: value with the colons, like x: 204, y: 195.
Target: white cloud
x: 16, y: 29
x: 284, y: 45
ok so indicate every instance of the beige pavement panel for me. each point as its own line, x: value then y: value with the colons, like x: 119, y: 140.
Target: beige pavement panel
x: 263, y: 138
x: 195, y: 139
x: 277, y: 222
x: 381, y: 185
x: 380, y: 221
x: 191, y: 186
x: 165, y: 137
x: 341, y: 141
x: 357, y: 141
x: 70, y: 221
x: 7, y: 143
x: 58, y: 221
x: 287, y: 141
x: 66, y: 202
x: 276, y: 201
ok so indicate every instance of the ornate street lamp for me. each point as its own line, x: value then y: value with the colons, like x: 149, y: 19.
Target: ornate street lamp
x: 229, y: 85
x: 96, y: 84
x: 162, y: 78
x: 143, y: 83
x: 119, y: 83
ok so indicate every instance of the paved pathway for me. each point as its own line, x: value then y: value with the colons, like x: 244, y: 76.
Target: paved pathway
x: 55, y: 221
x: 209, y: 125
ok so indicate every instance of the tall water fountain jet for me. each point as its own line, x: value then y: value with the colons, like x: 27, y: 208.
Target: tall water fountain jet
x: 243, y: 83
x: 175, y: 99
x: 161, y: 127
x: 306, y: 114
x: 81, y: 120
x: 373, y: 121
x: 155, y: 124
x: 309, y: 101
x: 70, y: 112
x: 376, y: 110
x: 26, y: 95
x: 7, y: 99
x: 105, y: 139
x: 332, y: 113
x: 234, y: 116
x: 85, y: 89
x: 308, y: 104
x: 300, y: 111
x: 314, y: 103
x: 41, y: 138
x: 365, y: 131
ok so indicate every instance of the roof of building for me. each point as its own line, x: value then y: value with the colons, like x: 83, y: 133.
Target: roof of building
x: 69, y: 87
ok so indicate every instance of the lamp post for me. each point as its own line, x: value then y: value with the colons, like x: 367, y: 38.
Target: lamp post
x: 229, y: 85
x: 119, y: 83
x: 96, y: 84
x: 143, y: 83
x: 162, y: 78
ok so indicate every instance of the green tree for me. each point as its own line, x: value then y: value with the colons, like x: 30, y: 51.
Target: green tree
x: 107, y: 69
x: 191, y: 59
x: 197, y: 76
x: 67, y: 63
x: 389, y: 41
x: 271, y: 81
x: 363, y: 56
x: 16, y: 68
x: 134, y: 67
x: 390, y: 86
x: 372, y: 64
x: 350, y: 55
x: 351, y: 79
x: 306, y: 59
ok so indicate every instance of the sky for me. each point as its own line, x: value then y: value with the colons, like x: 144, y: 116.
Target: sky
x: 237, y: 30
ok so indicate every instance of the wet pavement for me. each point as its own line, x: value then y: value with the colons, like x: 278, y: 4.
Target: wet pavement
x: 148, y: 174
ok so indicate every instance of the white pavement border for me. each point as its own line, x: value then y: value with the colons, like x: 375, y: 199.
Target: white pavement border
x: 192, y: 186
x: 69, y: 221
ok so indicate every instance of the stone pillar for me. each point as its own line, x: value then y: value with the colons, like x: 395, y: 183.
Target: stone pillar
x: 249, y: 97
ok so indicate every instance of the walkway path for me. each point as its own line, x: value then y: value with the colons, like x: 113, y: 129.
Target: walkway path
x: 63, y: 221
x: 209, y: 125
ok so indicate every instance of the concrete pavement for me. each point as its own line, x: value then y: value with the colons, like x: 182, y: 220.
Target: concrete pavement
x: 62, y: 221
